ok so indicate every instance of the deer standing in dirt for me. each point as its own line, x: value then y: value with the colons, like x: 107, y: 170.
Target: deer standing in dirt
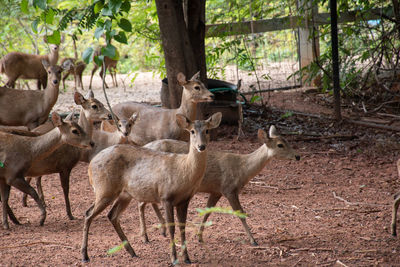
x: 159, y: 123
x: 17, y: 153
x: 78, y: 66
x: 109, y: 64
x: 227, y: 173
x: 122, y: 172
x: 31, y: 108
x: 64, y: 159
x: 395, y: 206
x: 28, y: 66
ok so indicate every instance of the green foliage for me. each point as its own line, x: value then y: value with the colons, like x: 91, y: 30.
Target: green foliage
x: 236, y: 213
x: 117, y: 248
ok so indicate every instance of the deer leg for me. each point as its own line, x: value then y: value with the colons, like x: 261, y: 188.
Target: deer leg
x: 118, y: 208
x: 169, y: 214
x: 5, y: 193
x: 143, y: 231
x: 80, y: 81
x: 94, y: 210
x: 25, y: 196
x: 39, y: 189
x: 181, y: 212
x: 64, y: 179
x: 394, y: 215
x: 11, y: 215
x: 91, y: 76
x: 212, y: 201
x: 64, y: 78
x: 160, y: 218
x: 233, y: 199
x: 20, y: 183
x: 103, y: 76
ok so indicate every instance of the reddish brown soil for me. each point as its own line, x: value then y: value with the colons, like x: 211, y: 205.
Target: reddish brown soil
x: 292, y: 208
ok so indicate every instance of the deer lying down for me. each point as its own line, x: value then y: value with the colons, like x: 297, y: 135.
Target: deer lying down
x: 18, y: 152
x: 227, y: 173
x: 31, y: 108
x: 395, y: 206
x: 64, y: 159
x: 159, y: 123
x: 122, y: 172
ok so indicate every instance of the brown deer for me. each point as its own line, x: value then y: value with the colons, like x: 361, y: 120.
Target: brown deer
x: 122, y: 172
x: 17, y: 153
x: 395, y: 206
x: 227, y: 173
x: 28, y: 66
x: 64, y: 159
x: 110, y: 64
x: 158, y: 123
x: 78, y: 66
x: 31, y: 108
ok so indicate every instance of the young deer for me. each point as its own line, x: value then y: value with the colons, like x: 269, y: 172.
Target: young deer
x: 76, y: 70
x: 227, y: 173
x: 28, y: 66
x: 65, y: 158
x: 158, y: 123
x: 395, y: 206
x: 108, y: 136
x: 31, y: 108
x: 17, y: 153
x: 110, y: 64
x: 123, y: 172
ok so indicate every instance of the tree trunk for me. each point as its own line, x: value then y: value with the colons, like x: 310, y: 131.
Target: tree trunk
x: 183, y: 46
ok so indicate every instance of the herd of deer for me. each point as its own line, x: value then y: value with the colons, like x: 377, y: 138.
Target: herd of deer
x: 152, y: 155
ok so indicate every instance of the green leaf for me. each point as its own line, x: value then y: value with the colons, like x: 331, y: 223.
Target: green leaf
x: 107, y: 25
x: 125, y: 25
x: 42, y: 4
x: 107, y: 11
x: 287, y: 115
x: 98, y: 7
x: 98, y: 33
x: 50, y: 16
x: 126, y: 6
x: 87, y: 55
x: 55, y: 38
x: 109, y: 51
x: 1, y: 164
x: 117, y: 248
x: 255, y: 98
x: 121, y: 37
x: 99, y: 60
x: 115, y: 5
x: 34, y: 25
x: 24, y: 6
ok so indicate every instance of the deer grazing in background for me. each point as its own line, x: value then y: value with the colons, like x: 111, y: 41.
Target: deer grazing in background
x: 395, y: 206
x: 64, y: 159
x: 110, y: 64
x: 17, y: 153
x: 227, y: 173
x: 158, y: 123
x: 31, y: 108
x: 122, y: 172
x: 28, y: 66
x: 78, y: 66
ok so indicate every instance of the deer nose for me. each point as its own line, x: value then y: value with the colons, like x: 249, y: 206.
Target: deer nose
x: 202, y: 147
x: 55, y: 81
x: 91, y: 143
x: 212, y: 97
x: 109, y: 116
x: 297, y: 157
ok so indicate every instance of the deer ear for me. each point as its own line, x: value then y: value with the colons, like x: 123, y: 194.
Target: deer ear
x: 196, y: 76
x: 262, y: 135
x: 181, y: 78
x: 45, y: 64
x: 66, y: 65
x: 90, y: 94
x: 134, y: 117
x: 70, y: 116
x: 214, y: 120
x: 56, y: 119
x: 79, y: 99
x: 182, y: 121
x: 273, y: 133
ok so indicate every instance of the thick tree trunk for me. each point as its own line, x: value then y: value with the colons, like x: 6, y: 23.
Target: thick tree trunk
x: 177, y: 44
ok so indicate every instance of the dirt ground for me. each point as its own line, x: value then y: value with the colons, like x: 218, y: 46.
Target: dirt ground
x: 331, y: 208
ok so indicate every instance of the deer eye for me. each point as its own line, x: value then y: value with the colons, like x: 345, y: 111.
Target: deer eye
x: 280, y: 145
x: 197, y: 88
x: 94, y: 107
x: 75, y: 131
x: 207, y: 131
x: 49, y: 72
x: 192, y: 131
